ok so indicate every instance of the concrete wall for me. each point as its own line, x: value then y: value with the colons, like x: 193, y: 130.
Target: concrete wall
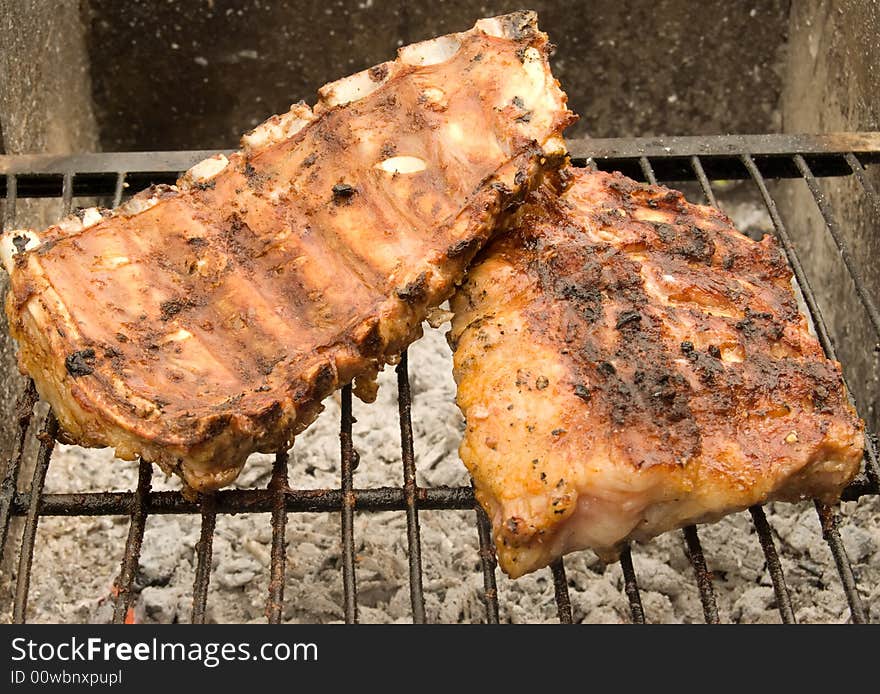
x: 45, y: 106
x: 45, y: 97
x: 182, y: 74
x: 832, y: 83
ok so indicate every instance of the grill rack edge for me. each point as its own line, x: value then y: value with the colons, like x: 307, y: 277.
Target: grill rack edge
x: 702, y: 159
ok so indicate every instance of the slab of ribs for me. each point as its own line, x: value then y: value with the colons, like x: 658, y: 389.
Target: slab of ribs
x: 200, y: 323
x: 629, y: 363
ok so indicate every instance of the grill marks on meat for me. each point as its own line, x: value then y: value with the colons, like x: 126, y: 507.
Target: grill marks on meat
x: 629, y: 363
x: 219, y: 313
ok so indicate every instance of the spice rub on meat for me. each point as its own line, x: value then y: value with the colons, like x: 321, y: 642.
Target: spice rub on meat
x: 629, y: 363
x: 199, y: 323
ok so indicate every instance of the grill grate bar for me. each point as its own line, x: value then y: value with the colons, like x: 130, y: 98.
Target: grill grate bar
x: 704, y: 577
x: 831, y: 224
x: 67, y: 194
x: 715, y: 147
x: 828, y: 519
x: 24, y: 408
x: 278, y: 564
x: 488, y: 562
x: 232, y: 501
x: 856, y: 166
x: 774, y: 567
x: 349, y: 462
x: 560, y: 591
x: 40, y: 174
x: 29, y: 534
x: 120, y: 188
x: 24, y: 411
x: 11, y: 197
x: 204, y: 556
x: 706, y: 187
x: 413, y: 541
x: 872, y: 468
x: 631, y: 586
x: 123, y: 585
x: 648, y: 170
x: 832, y: 145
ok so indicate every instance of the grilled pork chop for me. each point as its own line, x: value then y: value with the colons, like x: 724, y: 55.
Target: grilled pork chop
x: 629, y: 363
x: 199, y: 323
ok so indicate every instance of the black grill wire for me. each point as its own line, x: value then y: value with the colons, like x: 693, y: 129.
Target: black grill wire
x: 109, y: 175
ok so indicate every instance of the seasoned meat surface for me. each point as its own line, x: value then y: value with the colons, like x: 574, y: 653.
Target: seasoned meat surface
x: 199, y: 323
x: 629, y: 363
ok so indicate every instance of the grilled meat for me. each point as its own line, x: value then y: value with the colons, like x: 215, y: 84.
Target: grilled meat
x: 629, y: 363
x: 199, y: 323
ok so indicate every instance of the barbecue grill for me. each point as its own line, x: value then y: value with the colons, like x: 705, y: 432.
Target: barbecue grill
x: 704, y: 160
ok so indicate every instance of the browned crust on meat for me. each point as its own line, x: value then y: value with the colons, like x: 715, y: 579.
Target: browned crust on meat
x: 650, y: 369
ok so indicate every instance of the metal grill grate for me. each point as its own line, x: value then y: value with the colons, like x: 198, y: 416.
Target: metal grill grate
x: 667, y: 159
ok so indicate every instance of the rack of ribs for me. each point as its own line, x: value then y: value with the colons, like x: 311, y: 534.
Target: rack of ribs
x: 201, y: 322
x: 628, y: 363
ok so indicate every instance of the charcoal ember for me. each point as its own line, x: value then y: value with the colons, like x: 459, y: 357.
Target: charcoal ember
x: 160, y: 604
x: 859, y: 542
x: 659, y: 604
x: 236, y: 572
x: 95, y: 611
x: 655, y: 575
x: 756, y: 605
x: 161, y: 554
